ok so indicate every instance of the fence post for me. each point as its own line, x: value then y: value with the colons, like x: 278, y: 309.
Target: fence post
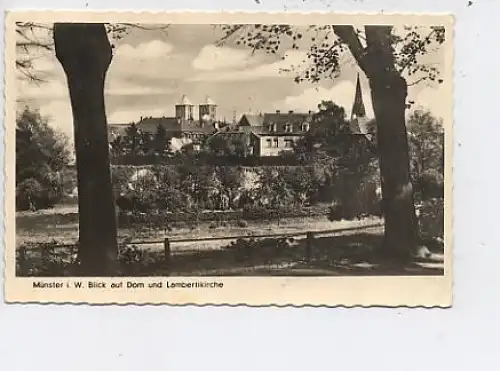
x: 45, y: 253
x: 22, y: 260
x: 309, y: 246
x: 166, y: 248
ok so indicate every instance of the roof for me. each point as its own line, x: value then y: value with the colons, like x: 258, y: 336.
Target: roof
x: 284, y: 123
x: 251, y: 119
x: 232, y: 128
x: 245, y: 129
x: 358, y: 107
x: 115, y: 130
x: 150, y: 124
x: 173, y: 124
x: 185, y: 101
x: 209, y: 101
x: 193, y: 126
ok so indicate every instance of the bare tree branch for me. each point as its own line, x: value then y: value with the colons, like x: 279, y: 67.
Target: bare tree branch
x: 29, y: 42
x: 411, y: 56
x: 423, y: 78
x: 348, y: 36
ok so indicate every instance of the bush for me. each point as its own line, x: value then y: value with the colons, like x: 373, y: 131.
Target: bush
x: 41, y: 157
x: 212, y: 225
x: 430, y: 184
x: 183, y: 188
x: 242, y: 223
x: 431, y: 218
x: 335, y: 213
x: 32, y: 195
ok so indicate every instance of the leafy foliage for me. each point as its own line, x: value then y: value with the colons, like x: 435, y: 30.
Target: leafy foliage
x: 41, y: 156
x: 426, y: 137
x: 426, y: 143
x: 431, y: 218
x: 327, y: 44
x: 348, y: 159
x: 182, y: 193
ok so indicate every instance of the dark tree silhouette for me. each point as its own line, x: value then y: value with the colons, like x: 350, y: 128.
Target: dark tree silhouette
x: 41, y: 156
x: 387, y: 60
x: 85, y: 53
x: 160, y: 140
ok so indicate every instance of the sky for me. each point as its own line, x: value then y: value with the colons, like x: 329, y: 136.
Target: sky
x: 152, y: 69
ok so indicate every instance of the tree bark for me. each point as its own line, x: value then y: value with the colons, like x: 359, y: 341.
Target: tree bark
x: 389, y: 91
x: 85, y: 54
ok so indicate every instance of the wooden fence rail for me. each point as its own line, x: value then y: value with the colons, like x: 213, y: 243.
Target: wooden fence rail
x: 167, y: 242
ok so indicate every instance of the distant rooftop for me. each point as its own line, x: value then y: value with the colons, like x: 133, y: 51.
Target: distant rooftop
x: 285, y: 123
x: 173, y: 125
x: 185, y: 101
x: 209, y: 101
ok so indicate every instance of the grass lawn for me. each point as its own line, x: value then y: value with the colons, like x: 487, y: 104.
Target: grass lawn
x: 343, y: 253
x: 61, y: 224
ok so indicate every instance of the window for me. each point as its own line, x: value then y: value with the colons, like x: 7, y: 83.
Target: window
x: 272, y: 127
x: 269, y: 143
x: 288, y: 143
x: 288, y: 128
x: 305, y: 127
x: 275, y: 142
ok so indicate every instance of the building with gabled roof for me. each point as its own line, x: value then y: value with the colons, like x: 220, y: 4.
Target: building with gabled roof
x: 116, y: 130
x: 277, y: 132
x: 182, y: 125
x: 150, y: 125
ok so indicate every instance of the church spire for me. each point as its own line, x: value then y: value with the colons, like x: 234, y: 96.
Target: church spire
x: 358, y: 107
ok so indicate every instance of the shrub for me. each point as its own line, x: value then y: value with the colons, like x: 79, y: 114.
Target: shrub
x: 27, y: 192
x: 335, y: 212
x: 431, y: 218
x: 41, y: 157
x: 45, y: 260
x: 242, y: 223
x: 212, y: 225
x: 31, y: 194
x: 243, y: 248
x: 430, y: 184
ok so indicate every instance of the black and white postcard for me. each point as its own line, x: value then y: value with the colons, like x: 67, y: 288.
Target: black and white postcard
x: 228, y: 158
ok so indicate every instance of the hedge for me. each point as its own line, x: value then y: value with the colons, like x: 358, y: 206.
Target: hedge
x: 161, y: 219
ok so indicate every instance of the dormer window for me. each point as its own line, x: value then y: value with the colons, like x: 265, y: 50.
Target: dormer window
x: 272, y: 127
x: 305, y: 127
x: 288, y: 128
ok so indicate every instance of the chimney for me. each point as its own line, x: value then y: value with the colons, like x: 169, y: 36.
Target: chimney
x: 290, y: 112
x: 310, y: 112
x: 278, y: 111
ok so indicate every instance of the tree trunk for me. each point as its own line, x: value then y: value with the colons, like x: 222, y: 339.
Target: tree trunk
x: 85, y: 54
x: 389, y: 91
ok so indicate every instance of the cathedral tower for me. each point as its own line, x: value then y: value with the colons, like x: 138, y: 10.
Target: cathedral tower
x: 358, y: 107
x: 185, y: 109
x: 208, y: 110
